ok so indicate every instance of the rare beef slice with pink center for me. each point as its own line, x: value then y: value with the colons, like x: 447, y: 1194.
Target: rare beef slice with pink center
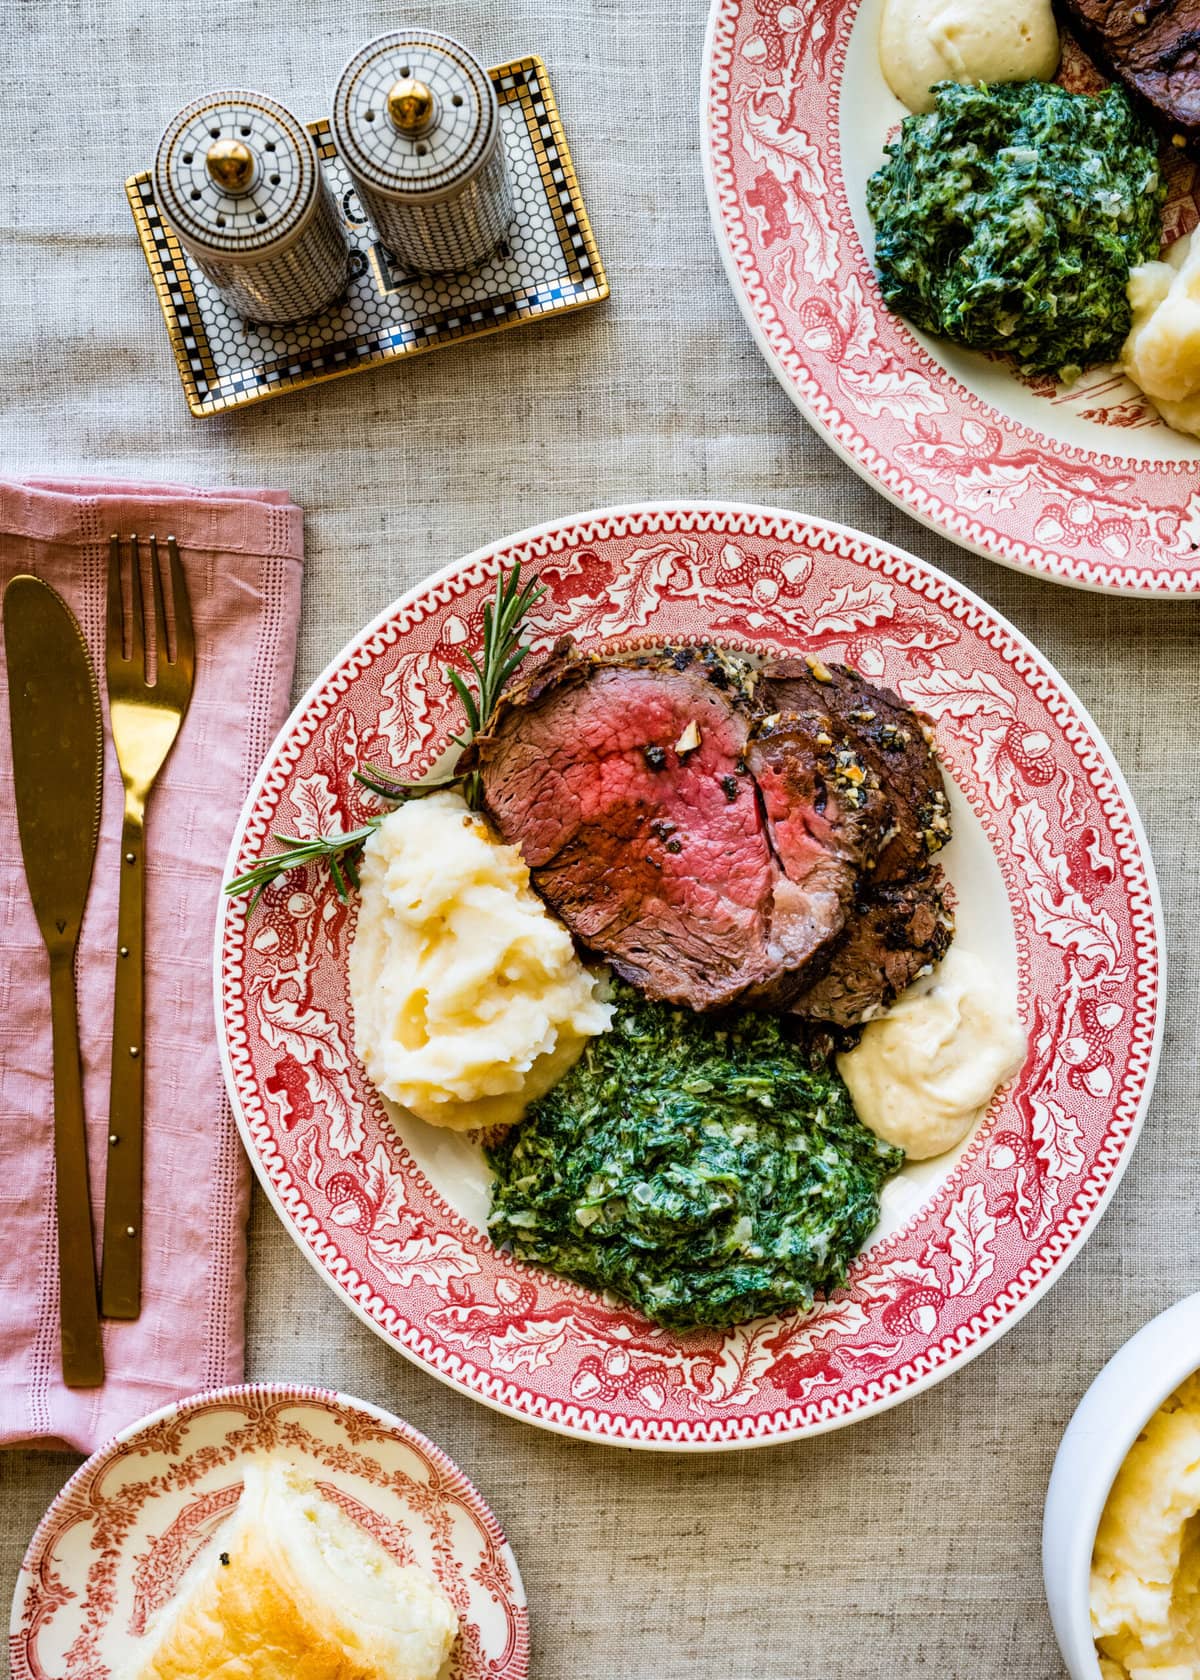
x: 721, y: 836
x: 625, y: 786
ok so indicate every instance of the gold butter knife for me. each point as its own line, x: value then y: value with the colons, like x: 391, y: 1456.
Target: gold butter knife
x: 58, y: 758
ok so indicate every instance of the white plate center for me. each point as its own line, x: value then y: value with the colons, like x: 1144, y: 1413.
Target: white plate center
x: 456, y: 1167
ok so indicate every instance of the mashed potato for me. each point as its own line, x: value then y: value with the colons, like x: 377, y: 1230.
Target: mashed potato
x: 469, y: 1000
x: 1162, y: 352
x: 1146, y: 1564
x: 921, y: 1075
x: 927, y: 41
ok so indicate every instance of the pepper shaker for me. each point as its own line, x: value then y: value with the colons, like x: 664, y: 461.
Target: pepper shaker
x: 239, y: 180
x: 417, y: 123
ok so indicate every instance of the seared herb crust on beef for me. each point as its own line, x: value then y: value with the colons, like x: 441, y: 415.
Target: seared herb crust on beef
x: 894, y: 740
x: 826, y: 816
x: 721, y: 835
x: 897, y: 929
x: 1153, y: 47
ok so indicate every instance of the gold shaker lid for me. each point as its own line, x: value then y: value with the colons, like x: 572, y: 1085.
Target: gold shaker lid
x: 411, y: 106
x: 232, y: 165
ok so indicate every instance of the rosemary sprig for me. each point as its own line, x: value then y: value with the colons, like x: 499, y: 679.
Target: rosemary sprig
x: 387, y: 786
x: 503, y: 651
x: 338, y: 850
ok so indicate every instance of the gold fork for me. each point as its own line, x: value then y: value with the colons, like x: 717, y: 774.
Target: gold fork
x: 145, y: 717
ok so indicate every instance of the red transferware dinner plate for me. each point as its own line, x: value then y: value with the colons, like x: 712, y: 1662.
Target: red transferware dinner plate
x: 1081, y: 484
x: 1054, y: 884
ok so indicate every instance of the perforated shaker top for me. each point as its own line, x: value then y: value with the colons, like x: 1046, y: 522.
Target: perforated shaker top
x: 235, y: 173
x: 415, y: 162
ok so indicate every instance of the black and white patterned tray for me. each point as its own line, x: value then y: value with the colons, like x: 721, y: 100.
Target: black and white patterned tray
x: 548, y: 263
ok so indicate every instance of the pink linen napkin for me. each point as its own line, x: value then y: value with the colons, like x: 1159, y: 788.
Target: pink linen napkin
x: 243, y: 554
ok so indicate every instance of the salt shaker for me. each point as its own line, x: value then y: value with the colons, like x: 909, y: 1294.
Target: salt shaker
x: 239, y: 180
x: 417, y: 124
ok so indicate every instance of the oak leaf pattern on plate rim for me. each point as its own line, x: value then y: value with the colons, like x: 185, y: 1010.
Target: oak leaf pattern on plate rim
x: 1080, y: 891
x: 1082, y: 515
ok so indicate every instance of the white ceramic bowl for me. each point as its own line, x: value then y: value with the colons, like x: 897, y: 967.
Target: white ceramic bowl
x: 1129, y: 1390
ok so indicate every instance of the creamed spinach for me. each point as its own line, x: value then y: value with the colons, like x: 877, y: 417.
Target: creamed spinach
x: 705, y: 1169
x: 1009, y: 217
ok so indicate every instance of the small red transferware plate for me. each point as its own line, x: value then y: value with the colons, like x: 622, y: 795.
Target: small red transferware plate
x: 116, y: 1542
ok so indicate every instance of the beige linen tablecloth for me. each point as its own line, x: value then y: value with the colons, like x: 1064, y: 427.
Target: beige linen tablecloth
x: 907, y: 1545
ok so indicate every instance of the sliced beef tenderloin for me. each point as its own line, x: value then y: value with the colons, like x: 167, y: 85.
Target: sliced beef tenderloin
x: 825, y: 812
x: 1153, y: 46
x: 624, y: 784
x: 893, y: 740
x: 718, y: 849
x: 896, y: 931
